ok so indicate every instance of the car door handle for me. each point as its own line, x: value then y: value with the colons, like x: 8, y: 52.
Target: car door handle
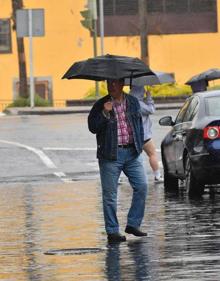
x: 178, y: 137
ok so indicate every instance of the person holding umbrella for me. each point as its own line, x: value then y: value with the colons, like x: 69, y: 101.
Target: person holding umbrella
x: 148, y: 108
x: 116, y: 121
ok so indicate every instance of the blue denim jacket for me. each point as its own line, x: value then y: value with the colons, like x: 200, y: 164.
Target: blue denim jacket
x: 106, y: 129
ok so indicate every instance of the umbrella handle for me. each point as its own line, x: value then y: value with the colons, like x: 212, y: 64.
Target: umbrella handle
x: 131, y: 79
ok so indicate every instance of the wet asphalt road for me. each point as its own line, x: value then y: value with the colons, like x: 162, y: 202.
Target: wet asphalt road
x: 50, y: 202
x: 183, y: 236
x: 52, y: 148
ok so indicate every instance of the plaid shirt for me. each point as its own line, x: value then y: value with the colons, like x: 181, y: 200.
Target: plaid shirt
x: 125, y: 134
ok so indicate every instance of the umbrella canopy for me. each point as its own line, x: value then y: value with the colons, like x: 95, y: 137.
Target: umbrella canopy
x: 208, y: 75
x: 107, y: 67
x: 158, y: 77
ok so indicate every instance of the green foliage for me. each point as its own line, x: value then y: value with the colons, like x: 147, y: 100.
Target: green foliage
x: 19, y: 102
x: 41, y: 102
x: 91, y: 94
x: 213, y: 88
x: 25, y: 102
x: 163, y: 90
x: 169, y: 90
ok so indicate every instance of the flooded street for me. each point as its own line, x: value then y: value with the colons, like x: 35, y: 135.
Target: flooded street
x: 183, y: 236
x: 51, y: 224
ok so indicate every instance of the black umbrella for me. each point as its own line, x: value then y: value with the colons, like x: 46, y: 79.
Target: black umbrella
x: 199, y: 82
x: 208, y: 75
x: 107, y: 67
x: 158, y: 77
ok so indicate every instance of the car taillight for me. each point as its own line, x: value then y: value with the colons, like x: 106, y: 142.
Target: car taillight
x: 211, y: 132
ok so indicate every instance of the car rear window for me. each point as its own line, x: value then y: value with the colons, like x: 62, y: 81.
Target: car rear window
x: 212, y: 106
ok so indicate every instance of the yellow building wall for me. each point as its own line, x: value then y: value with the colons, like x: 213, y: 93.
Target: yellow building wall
x: 8, y: 65
x: 66, y: 41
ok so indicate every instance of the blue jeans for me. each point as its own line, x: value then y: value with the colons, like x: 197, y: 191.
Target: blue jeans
x: 132, y: 166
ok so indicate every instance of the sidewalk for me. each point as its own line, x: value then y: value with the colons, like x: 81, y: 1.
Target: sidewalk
x: 72, y: 109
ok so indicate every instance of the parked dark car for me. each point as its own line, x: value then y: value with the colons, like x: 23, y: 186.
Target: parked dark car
x: 191, y: 149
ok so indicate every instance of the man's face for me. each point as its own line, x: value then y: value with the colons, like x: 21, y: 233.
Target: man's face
x: 115, y: 87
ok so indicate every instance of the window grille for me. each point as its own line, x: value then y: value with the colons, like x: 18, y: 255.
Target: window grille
x: 130, y: 7
x: 5, y: 36
x: 164, y: 17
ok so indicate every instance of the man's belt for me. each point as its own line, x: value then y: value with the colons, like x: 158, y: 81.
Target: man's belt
x: 128, y: 145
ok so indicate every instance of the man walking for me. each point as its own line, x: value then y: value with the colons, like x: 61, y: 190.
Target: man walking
x: 116, y: 121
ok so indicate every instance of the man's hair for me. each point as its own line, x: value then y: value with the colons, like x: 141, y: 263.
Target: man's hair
x: 120, y: 80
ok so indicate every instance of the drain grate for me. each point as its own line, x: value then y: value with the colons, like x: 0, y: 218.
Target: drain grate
x: 74, y: 251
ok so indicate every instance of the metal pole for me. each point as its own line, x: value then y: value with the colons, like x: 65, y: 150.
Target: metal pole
x: 31, y: 58
x: 93, y: 8
x: 95, y: 38
x: 101, y: 21
x: 95, y: 52
x: 94, y: 25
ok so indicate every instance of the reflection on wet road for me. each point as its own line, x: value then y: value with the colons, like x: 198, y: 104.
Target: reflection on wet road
x: 183, y: 236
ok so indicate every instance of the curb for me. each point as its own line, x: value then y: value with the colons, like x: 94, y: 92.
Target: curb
x: 71, y: 109
x: 84, y: 106
x: 49, y: 112
x: 45, y: 111
x: 157, y: 100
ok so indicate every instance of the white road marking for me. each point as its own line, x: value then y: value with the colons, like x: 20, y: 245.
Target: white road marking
x: 191, y: 259
x: 45, y: 159
x: 59, y: 174
x: 76, y: 148
x: 85, y: 149
x: 93, y: 164
x: 62, y: 176
x: 70, y: 148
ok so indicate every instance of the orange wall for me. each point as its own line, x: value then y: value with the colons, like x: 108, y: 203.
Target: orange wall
x: 8, y: 67
x: 67, y: 41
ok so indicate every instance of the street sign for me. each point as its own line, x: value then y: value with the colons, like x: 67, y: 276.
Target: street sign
x: 22, y: 22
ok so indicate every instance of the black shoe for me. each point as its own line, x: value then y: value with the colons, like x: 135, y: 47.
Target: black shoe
x: 134, y: 231
x: 116, y: 237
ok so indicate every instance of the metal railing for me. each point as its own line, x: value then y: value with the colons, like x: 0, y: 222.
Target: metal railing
x: 4, y: 104
x: 58, y: 103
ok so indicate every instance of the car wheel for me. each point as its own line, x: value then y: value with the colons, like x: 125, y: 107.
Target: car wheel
x: 193, y: 187
x: 170, y: 183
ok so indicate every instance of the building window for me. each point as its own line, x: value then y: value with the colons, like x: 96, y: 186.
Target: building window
x: 176, y: 7
x: 5, y: 36
x: 131, y: 7
x: 155, y: 6
x: 42, y: 87
x: 164, y: 17
x: 203, y: 6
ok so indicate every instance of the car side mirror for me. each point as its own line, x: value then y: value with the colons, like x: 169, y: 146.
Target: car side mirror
x: 166, y: 121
